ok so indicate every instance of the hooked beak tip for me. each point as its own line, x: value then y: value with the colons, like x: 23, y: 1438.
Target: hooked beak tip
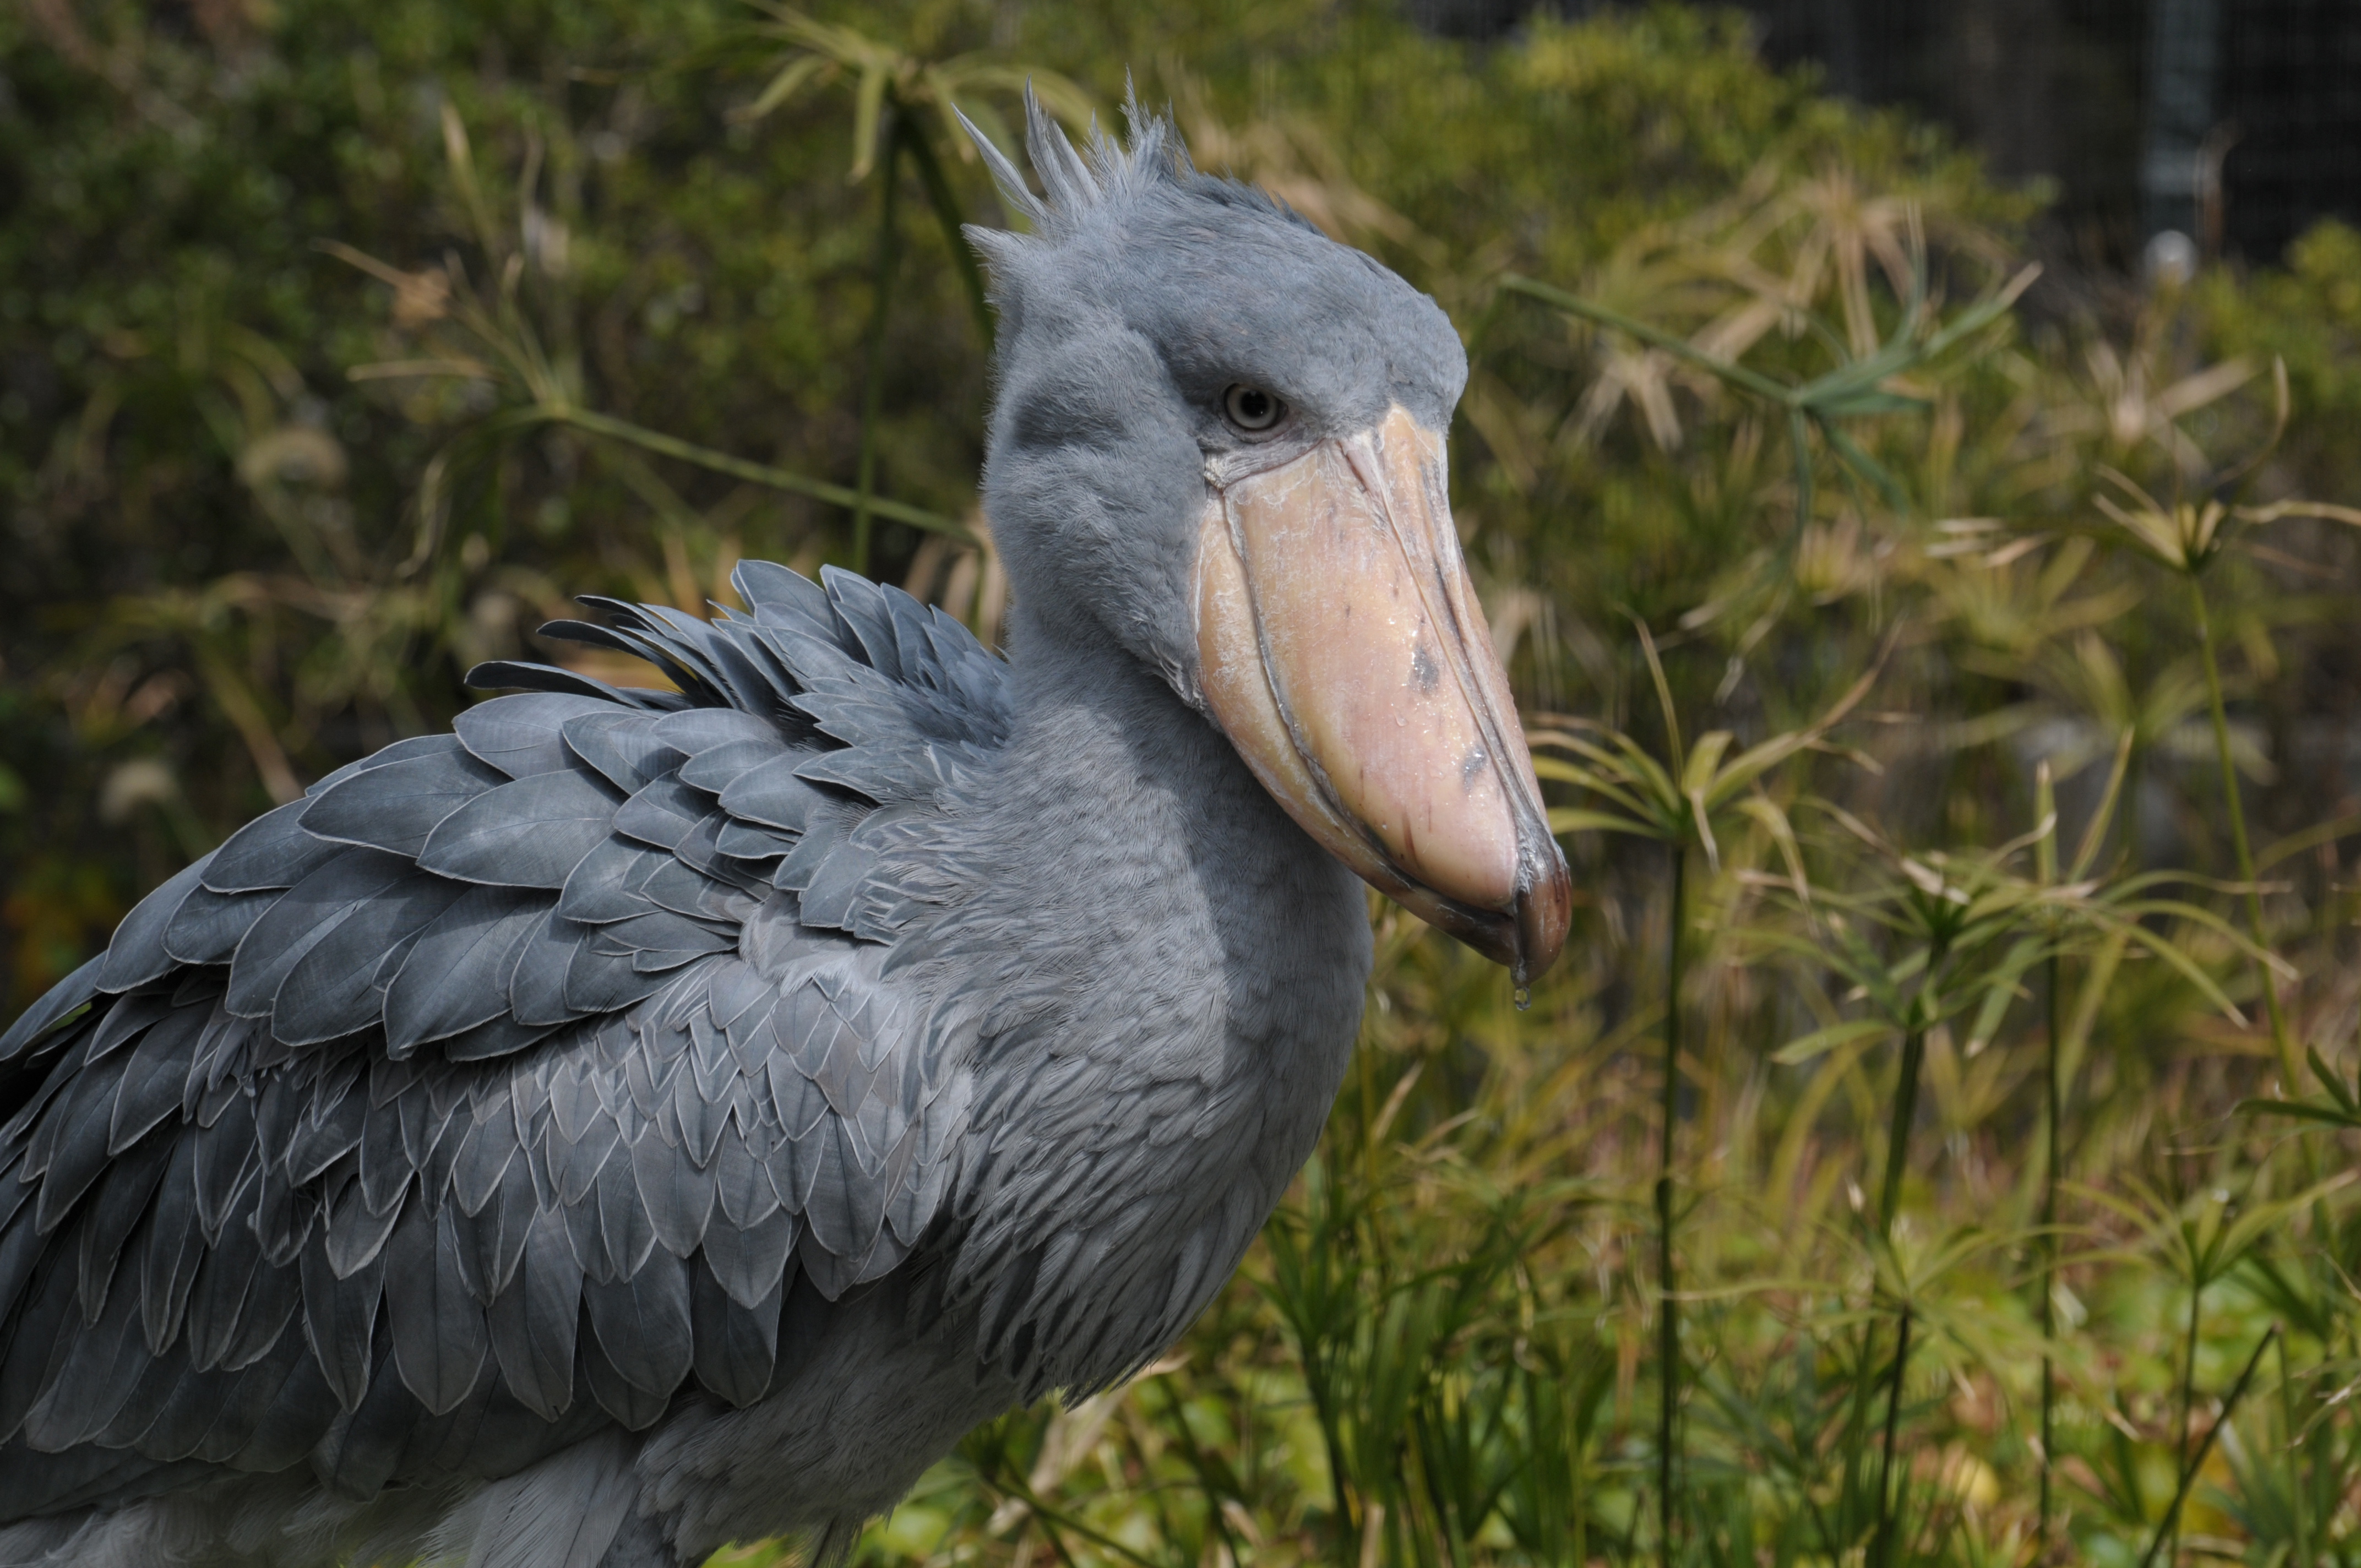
x: 1344, y: 651
x: 1543, y: 911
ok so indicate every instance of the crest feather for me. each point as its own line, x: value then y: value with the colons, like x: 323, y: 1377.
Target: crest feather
x: 1075, y: 182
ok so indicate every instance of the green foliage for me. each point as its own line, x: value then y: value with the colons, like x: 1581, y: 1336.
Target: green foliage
x: 1972, y: 1083
x: 2308, y: 312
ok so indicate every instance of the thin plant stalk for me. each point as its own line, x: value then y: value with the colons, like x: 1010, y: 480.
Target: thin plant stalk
x: 2170, y: 1524
x: 1897, y: 1140
x: 947, y: 213
x: 2044, y: 810
x: 764, y: 474
x: 1886, y: 1509
x: 1898, y: 1158
x: 2301, y: 1543
x: 1668, y: 1317
x: 2232, y: 807
x: 1906, y: 1094
x: 2053, y: 1161
x: 1897, y: 1149
x: 873, y: 390
x: 2187, y: 1402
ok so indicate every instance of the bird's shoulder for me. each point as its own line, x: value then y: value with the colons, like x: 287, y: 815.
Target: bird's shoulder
x: 569, y: 845
x: 574, y: 1018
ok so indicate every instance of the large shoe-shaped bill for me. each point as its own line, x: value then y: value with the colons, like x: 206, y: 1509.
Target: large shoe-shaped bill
x: 1342, y: 649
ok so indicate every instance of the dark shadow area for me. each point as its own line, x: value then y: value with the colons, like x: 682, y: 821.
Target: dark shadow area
x: 2239, y: 123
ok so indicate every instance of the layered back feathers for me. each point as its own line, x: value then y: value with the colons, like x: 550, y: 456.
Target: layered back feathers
x: 506, y: 1084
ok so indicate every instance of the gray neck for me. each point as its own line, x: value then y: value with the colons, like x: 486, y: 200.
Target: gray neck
x: 1133, y: 861
x: 1176, y: 979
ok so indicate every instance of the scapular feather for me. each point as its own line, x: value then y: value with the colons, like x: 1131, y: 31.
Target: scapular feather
x: 106, y: 1223
x: 271, y: 852
x: 396, y: 806
x: 522, y: 735
x: 207, y: 927
x: 136, y: 955
x: 642, y: 1324
x: 306, y: 915
x: 528, y: 833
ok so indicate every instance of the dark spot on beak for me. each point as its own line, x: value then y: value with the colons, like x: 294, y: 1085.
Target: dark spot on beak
x: 1471, y: 768
x: 1423, y: 669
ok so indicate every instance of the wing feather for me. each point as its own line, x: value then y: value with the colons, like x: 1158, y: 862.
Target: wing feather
x: 530, y: 833
x: 625, y: 749
x: 136, y: 956
x: 438, y: 1331
x: 271, y: 853
x: 737, y: 1343
x: 524, y: 735
x: 574, y: 1020
x: 458, y: 973
x: 642, y: 1324
x: 533, y: 1321
x: 332, y: 991
x: 396, y: 806
x: 95, y: 1377
x: 332, y: 892
x: 107, y: 1223
x: 340, y: 1319
x: 207, y: 927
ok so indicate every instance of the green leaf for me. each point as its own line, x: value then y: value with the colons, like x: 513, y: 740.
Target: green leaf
x: 2332, y: 1114
x: 1571, y: 820
x: 790, y: 80
x: 2330, y: 1080
x: 868, y: 111
x: 1873, y: 401
x: 1819, y: 1042
x: 1697, y: 771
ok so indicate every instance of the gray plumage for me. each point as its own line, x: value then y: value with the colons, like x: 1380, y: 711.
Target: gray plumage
x: 641, y: 1120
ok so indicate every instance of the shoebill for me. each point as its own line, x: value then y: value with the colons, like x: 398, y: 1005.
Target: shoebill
x: 646, y: 1118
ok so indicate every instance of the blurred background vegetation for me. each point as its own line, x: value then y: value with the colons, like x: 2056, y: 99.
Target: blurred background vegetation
x: 1945, y: 677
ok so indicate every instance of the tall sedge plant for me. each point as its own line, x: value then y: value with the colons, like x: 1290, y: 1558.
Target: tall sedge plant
x: 493, y: 337
x: 2059, y: 928
x: 1948, y: 937
x: 1861, y: 384
x: 2202, y: 1239
x: 2187, y: 538
x: 490, y: 333
x: 1675, y: 801
x: 895, y: 97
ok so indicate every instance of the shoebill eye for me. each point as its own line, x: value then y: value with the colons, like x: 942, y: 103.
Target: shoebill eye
x: 1251, y: 409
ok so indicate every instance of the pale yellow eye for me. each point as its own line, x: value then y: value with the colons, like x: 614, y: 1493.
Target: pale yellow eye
x: 1251, y: 409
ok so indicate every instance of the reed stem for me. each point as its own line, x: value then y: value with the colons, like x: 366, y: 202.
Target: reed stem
x: 595, y: 423
x: 2170, y: 1524
x: 2301, y: 1543
x: 947, y: 213
x: 864, y: 482
x: 1668, y: 1319
x: 2291, y: 1083
x: 2053, y: 1162
x: 1897, y: 1138
x: 1879, y: 1557
x: 2188, y: 1405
